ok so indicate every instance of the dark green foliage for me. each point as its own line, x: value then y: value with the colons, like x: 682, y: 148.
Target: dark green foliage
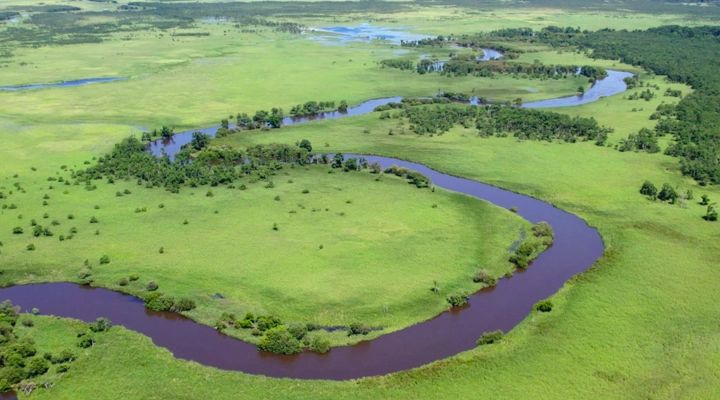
x: 100, y: 325
x: 312, y: 108
x: 199, y: 141
x: 158, y: 302
x: 648, y: 189
x: 37, y: 366
x: 490, y: 337
x: 280, y: 341
x: 667, y: 193
x: 85, y: 340
x: 297, y: 330
x: 318, y: 345
x: 151, y: 286
x: 645, y: 140
x: 483, y: 276
x: 184, y: 304
x: 544, y: 306
x: 398, y: 63
x: 413, y: 177
x: 104, y: 260
x: 358, y: 329
x: 711, y: 214
x: 458, y: 300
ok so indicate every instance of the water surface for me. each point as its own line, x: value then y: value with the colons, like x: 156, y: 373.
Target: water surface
x: 61, y: 84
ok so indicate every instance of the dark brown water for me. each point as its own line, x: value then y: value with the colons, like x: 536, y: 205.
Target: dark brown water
x: 576, y: 247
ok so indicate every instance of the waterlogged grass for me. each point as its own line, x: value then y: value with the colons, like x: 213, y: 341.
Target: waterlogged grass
x: 330, y: 249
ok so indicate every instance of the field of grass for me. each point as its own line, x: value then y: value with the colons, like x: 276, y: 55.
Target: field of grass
x: 351, y: 249
x: 634, y: 326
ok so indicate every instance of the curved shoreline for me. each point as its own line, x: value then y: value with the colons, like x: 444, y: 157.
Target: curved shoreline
x: 575, y: 249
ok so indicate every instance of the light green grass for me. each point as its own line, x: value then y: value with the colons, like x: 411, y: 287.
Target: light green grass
x: 353, y: 249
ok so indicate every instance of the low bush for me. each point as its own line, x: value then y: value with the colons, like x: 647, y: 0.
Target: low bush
x: 280, y: 341
x: 483, y: 276
x: 458, y: 300
x: 544, y: 306
x: 358, y: 329
x: 490, y: 337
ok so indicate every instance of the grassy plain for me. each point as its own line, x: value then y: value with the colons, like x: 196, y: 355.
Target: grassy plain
x: 635, y: 326
x: 352, y: 249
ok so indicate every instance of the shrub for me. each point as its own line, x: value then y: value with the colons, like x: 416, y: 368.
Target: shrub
x: 319, y: 345
x: 297, y: 330
x: 85, y: 340
x: 544, y: 306
x: 266, y: 322
x: 358, y: 329
x: 184, y: 304
x: 151, y: 286
x: 62, y: 368
x: 483, y: 276
x: 104, y: 260
x: 27, y: 323
x: 280, y: 341
x: 158, y: 302
x: 490, y: 337
x: 37, y: 366
x: 100, y: 325
x: 667, y: 193
x: 64, y: 356
x: 17, y: 230
x: 458, y: 300
x: 123, y: 282
x: 30, y: 247
x: 93, y: 220
x: 133, y: 277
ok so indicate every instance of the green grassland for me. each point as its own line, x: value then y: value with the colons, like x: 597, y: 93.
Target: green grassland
x: 634, y: 326
x: 352, y: 249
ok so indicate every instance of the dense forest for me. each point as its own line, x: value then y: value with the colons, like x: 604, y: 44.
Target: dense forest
x: 695, y: 122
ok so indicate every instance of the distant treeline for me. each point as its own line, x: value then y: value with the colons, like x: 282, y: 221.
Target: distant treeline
x: 469, y: 64
x: 437, y: 117
x: 685, y: 55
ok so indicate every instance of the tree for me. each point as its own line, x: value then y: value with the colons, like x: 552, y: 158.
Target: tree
x: 280, y: 341
x: 305, y: 144
x: 166, y: 132
x: 199, y: 140
x: 704, y: 200
x: 343, y: 108
x: 337, y: 161
x: 667, y: 193
x: 711, y: 214
x: 648, y: 189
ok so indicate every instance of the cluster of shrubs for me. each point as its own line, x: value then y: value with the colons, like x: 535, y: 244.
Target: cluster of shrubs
x: 542, y: 238
x: 435, y: 116
x: 458, y: 300
x: 18, y: 357
x: 312, y: 108
x: 213, y: 166
x: 276, y: 337
x: 669, y: 194
x: 413, y: 177
x: 157, y: 301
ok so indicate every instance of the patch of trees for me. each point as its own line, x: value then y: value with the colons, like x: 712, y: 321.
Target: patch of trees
x: 19, y: 358
x: 532, y: 124
x: 398, y: 63
x: 276, y: 337
x: 645, y: 140
x: 531, y: 247
x: 212, y: 165
x: 313, y: 108
x: 669, y: 194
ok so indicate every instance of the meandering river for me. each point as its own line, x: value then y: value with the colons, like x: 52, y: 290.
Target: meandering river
x: 576, y: 248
